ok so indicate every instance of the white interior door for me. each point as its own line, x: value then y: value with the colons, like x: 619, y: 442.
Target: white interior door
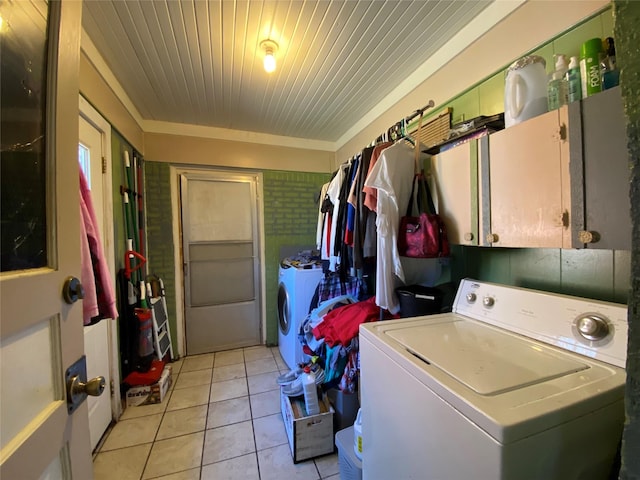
x: 221, y: 251
x: 40, y: 334
x: 93, y: 150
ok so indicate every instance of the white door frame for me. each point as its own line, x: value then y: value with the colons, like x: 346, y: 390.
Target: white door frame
x: 175, y: 172
x: 92, y: 116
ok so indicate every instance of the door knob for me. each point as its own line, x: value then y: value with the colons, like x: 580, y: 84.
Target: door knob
x: 93, y: 387
x: 78, y: 387
x: 72, y: 290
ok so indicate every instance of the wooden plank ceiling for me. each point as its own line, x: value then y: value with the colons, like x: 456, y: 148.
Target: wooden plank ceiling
x: 199, y: 62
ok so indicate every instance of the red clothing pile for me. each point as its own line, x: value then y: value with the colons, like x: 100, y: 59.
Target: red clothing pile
x: 340, y: 325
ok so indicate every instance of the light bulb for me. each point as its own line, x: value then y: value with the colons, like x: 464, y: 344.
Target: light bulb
x: 269, y: 62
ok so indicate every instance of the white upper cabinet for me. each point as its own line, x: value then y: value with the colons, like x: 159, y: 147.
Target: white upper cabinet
x: 528, y: 184
x: 558, y: 180
x: 455, y: 173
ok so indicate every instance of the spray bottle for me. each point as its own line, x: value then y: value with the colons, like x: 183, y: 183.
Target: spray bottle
x: 574, y: 82
x: 557, y: 90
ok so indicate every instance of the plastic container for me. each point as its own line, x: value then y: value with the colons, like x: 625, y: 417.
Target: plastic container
x: 310, y: 392
x: 357, y: 435
x: 557, y: 89
x: 590, y: 57
x: 417, y: 300
x: 574, y: 83
x: 525, y: 90
x: 350, y: 465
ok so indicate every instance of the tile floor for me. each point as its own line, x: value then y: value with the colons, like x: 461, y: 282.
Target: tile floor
x: 221, y: 421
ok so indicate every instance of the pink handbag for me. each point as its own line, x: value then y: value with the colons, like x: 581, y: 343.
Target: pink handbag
x: 424, y: 236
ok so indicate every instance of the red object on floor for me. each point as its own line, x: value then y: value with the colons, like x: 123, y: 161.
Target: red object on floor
x: 135, y: 379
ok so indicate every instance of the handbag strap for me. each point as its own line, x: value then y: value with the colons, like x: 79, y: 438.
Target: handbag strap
x: 420, y: 177
x: 424, y: 185
x: 417, y: 167
x: 410, y: 204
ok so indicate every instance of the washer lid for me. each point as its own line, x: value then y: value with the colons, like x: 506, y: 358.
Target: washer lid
x: 484, y: 359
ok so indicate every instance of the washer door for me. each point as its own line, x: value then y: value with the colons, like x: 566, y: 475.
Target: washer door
x: 284, y: 309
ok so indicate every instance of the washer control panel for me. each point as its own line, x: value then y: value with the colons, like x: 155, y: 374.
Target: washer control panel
x: 592, y: 328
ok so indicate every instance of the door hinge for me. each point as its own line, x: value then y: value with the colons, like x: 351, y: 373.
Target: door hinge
x: 112, y: 388
x: 104, y: 165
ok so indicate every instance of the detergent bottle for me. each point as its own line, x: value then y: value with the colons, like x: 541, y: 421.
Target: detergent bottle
x: 357, y: 435
x: 525, y: 90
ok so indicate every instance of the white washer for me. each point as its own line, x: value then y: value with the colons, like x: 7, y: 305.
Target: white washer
x: 295, y: 292
x: 513, y: 384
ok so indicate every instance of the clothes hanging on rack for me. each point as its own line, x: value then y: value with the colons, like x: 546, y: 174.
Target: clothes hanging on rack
x: 321, y: 217
x: 341, y: 251
x: 371, y: 194
x: 356, y: 198
x: 350, y: 207
x: 392, y: 177
x: 333, y: 194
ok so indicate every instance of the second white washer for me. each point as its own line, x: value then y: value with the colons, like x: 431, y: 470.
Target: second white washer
x: 295, y: 292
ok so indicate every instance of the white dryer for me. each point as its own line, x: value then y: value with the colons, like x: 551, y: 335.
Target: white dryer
x: 295, y: 292
x: 514, y: 384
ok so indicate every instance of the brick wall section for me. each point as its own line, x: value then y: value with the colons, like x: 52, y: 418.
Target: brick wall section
x: 160, y: 235
x: 290, y: 218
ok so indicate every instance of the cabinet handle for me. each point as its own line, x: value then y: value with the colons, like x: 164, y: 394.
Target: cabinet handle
x: 468, y: 236
x: 585, y: 236
x: 492, y: 238
x: 562, y: 132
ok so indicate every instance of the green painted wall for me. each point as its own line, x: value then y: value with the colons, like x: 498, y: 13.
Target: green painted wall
x: 118, y: 146
x: 599, y: 274
x: 627, y: 34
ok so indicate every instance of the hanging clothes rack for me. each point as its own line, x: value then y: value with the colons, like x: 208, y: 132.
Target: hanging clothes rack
x: 399, y: 129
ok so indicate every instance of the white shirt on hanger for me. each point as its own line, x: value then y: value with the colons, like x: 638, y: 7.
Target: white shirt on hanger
x: 334, y: 195
x: 392, y: 176
x: 321, y: 220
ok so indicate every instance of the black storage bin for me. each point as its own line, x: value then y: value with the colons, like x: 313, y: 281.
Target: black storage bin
x: 416, y: 300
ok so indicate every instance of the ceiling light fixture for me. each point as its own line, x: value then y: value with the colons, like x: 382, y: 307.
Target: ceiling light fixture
x: 270, y: 48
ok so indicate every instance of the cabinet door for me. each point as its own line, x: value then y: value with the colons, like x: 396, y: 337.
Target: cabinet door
x: 455, y: 174
x: 601, y: 217
x: 527, y: 176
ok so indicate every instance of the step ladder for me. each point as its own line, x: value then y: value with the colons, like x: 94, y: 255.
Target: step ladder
x: 161, y: 331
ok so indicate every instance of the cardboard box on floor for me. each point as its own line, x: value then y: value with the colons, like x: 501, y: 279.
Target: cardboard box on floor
x: 150, y: 394
x: 309, y: 436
